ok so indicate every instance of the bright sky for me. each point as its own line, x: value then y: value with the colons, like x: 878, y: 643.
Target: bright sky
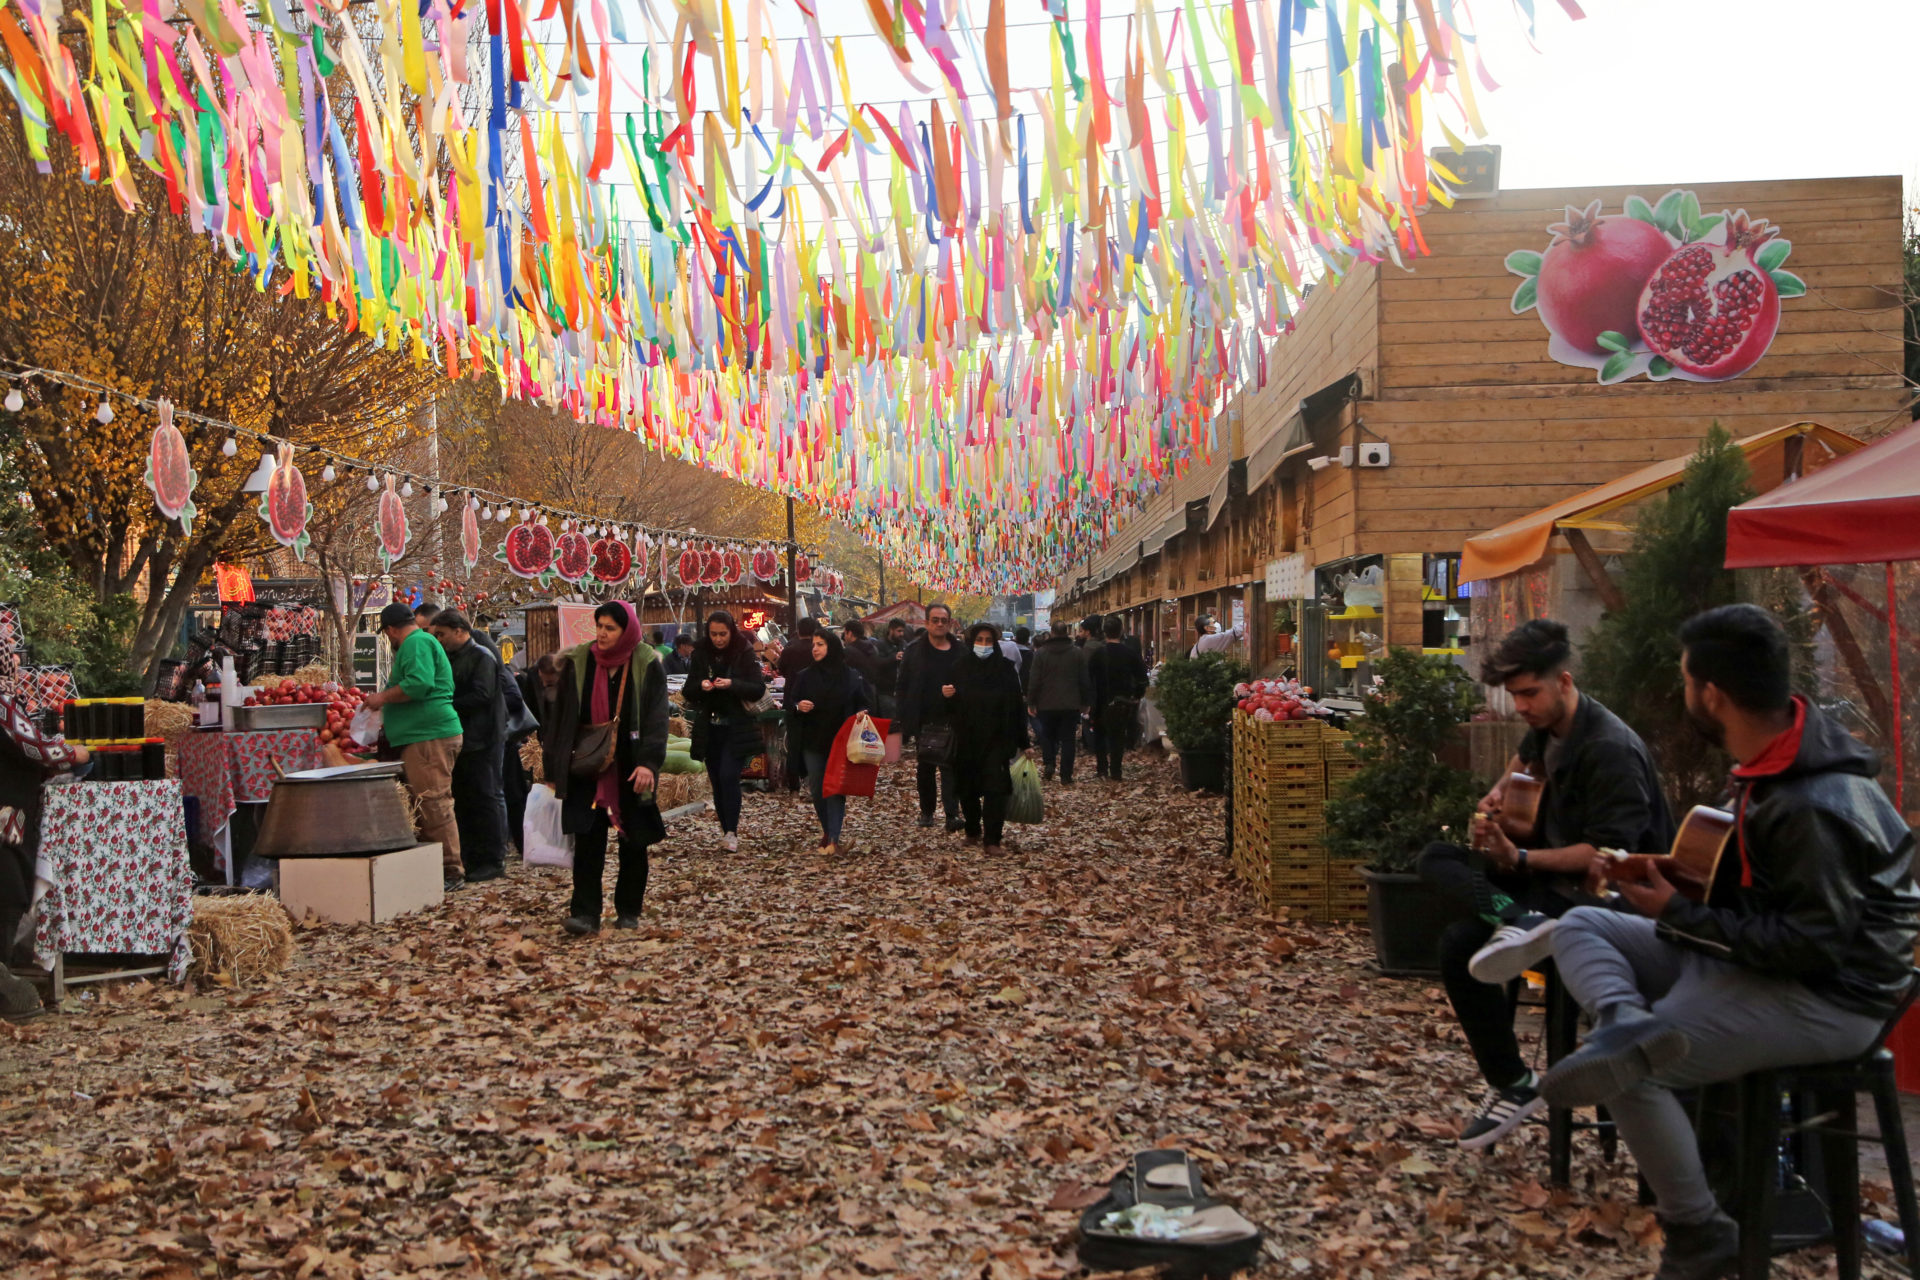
x: 1670, y: 91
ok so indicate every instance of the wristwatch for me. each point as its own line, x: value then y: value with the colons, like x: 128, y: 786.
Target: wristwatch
x: 1521, y: 861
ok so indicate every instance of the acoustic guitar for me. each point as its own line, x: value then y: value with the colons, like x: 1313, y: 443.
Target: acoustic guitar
x: 1692, y: 862
x: 1519, y: 809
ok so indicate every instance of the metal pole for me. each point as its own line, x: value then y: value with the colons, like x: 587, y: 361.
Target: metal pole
x: 793, y: 584
x: 433, y: 468
x: 882, y: 558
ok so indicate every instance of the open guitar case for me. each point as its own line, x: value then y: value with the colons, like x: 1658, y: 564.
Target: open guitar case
x: 1214, y: 1241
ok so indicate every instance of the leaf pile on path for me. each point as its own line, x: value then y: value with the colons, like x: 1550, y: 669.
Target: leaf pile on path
x: 911, y: 1061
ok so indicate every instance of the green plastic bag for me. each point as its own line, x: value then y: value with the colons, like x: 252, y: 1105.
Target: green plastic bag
x: 1026, y: 805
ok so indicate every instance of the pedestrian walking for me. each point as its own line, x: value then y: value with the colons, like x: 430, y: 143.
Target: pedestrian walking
x: 1059, y: 692
x: 680, y: 661
x: 989, y: 730
x: 886, y: 679
x: 722, y: 683
x: 603, y: 755
x: 1119, y: 682
x: 419, y: 722
x: 863, y: 655
x: 823, y: 698
x: 476, y: 782
x: 925, y: 717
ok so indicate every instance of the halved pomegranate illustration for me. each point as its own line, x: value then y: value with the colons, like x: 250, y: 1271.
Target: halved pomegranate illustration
x: 689, y: 566
x: 802, y: 569
x: 1591, y: 275
x: 527, y: 549
x: 284, y: 505
x: 733, y: 567
x: 572, y: 556
x: 392, y: 525
x: 170, y: 472
x: 766, y: 565
x: 1712, y: 310
x: 611, y: 560
x: 470, y: 534
x: 711, y: 565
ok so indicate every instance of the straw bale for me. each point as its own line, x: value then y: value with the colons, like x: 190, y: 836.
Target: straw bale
x: 313, y: 673
x: 239, y: 939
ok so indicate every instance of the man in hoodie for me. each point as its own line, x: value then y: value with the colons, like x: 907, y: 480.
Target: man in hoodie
x: 1800, y: 952
x: 1059, y: 692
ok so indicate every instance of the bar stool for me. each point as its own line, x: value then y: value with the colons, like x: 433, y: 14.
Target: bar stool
x: 1562, y: 1017
x: 1833, y: 1090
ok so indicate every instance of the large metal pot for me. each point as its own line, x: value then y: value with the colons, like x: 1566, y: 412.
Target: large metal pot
x: 330, y: 813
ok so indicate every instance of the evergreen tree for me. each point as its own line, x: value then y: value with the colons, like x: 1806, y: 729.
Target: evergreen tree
x: 1631, y: 661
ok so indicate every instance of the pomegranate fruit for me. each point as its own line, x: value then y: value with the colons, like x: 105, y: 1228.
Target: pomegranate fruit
x: 766, y: 565
x: 1593, y: 273
x: 690, y: 564
x: 1711, y: 310
x: 528, y: 548
x: 711, y: 565
x: 736, y: 568
x: 611, y: 560
x: 170, y: 473
x: 572, y: 556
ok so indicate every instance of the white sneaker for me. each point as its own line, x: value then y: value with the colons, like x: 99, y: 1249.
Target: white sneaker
x: 1514, y: 948
x: 730, y: 842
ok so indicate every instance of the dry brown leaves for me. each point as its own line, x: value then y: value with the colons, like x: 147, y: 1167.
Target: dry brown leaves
x: 914, y: 1062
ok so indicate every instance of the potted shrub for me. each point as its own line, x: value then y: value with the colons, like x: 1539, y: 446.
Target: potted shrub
x: 1283, y: 627
x: 1195, y: 697
x: 1404, y: 798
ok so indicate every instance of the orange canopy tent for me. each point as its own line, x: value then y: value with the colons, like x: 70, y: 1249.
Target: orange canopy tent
x: 1772, y: 456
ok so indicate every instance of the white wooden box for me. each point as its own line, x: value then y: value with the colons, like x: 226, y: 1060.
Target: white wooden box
x: 365, y: 890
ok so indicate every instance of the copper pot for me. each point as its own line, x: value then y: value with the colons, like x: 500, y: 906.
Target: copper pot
x: 329, y: 813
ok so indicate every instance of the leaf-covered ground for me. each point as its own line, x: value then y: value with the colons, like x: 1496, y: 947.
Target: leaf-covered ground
x: 910, y: 1062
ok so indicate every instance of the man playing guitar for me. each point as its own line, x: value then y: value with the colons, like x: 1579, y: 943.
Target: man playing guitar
x: 1801, y: 951
x: 1600, y: 791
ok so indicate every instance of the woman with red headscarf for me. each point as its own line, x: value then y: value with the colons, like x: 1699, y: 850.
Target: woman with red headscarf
x: 613, y: 680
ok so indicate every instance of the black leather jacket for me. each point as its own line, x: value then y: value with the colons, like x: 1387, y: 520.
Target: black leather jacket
x: 1818, y: 887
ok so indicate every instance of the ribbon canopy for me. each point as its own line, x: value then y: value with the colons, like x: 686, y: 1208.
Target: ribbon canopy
x: 981, y: 326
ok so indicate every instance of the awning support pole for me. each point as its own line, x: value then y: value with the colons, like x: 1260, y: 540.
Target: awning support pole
x: 1610, y: 598
x: 1893, y: 664
x: 1849, y: 647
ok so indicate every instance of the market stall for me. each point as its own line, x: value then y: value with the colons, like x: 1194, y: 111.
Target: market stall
x: 224, y: 770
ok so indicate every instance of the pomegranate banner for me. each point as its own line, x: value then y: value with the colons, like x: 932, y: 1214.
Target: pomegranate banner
x: 284, y: 505
x: 1658, y: 289
x: 170, y: 473
x: 391, y: 524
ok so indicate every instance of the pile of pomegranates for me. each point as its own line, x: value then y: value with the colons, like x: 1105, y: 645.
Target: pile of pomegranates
x: 341, y: 702
x: 1270, y: 700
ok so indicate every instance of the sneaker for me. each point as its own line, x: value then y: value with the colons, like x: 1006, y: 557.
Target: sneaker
x: 1506, y: 1110
x: 580, y: 926
x: 626, y: 922
x: 1628, y: 1047
x: 19, y: 999
x: 731, y: 843
x: 1699, y: 1250
x: 926, y: 820
x: 1515, y: 947
x: 454, y: 883
x: 478, y: 874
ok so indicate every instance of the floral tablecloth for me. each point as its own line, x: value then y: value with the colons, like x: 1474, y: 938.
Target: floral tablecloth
x: 226, y: 769
x: 115, y: 856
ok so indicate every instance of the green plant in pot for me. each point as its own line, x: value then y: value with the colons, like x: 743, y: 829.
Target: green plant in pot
x: 1404, y: 798
x: 1195, y: 697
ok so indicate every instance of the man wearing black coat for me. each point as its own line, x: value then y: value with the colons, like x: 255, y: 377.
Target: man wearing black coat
x: 862, y: 655
x: 1059, y: 692
x: 925, y: 668
x: 1119, y: 682
x: 888, y: 649
x: 477, y: 785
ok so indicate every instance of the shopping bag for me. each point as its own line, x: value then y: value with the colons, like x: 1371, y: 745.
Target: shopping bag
x: 842, y: 777
x: 866, y: 744
x: 543, y: 843
x: 1026, y: 806
x: 365, y: 727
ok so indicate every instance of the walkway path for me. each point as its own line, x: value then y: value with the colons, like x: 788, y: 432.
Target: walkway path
x: 892, y: 1065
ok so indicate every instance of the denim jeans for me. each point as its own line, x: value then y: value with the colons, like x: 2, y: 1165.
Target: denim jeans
x: 831, y: 810
x: 723, y: 772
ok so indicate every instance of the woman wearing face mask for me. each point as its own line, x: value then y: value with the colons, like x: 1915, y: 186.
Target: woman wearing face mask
x: 823, y: 697
x: 989, y: 730
x: 722, y: 683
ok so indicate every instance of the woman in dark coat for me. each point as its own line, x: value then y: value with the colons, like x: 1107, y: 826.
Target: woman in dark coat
x: 621, y: 797
x: 723, y: 683
x: 989, y: 730
x: 822, y: 698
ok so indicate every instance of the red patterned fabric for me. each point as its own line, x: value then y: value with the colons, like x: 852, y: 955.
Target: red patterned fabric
x: 224, y: 770
x: 116, y: 854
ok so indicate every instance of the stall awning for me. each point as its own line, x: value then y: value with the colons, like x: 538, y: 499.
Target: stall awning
x: 1294, y: 437
x: 1518, y: 543
x: 1861, y: 510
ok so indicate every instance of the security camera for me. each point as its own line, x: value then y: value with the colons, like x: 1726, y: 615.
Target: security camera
x: 1346, y: 455
x: 1320, y: 463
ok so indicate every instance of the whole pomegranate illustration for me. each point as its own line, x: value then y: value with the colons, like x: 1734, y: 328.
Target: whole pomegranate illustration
x: 284, y: 505
x: 170, y: 473
x: 642, y: 559
x: 527, y: 549
x: 572, y: 556
x: 766, y: 565
x: 1712, y: 310
x: 611, y: 560
x: 470, y: 534
x: 1592, y: 273
x: 802, y: 569
x: 392, y: 525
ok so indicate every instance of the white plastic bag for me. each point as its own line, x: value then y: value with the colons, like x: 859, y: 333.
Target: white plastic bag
x: 364, y: 728
x: 542, y: 842
x: 864, y: 743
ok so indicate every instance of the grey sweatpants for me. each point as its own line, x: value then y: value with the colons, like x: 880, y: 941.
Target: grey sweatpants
x: 1736, y: 1021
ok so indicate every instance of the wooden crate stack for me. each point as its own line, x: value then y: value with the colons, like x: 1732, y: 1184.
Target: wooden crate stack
x: 1346, y: 888
x: 1280, y: 792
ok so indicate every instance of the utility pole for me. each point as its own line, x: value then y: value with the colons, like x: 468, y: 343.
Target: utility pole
x: 882, y: 558
x: 793, y: 583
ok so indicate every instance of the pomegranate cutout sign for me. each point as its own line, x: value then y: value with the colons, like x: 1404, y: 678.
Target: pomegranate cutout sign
x: 284, y: 505
x: 170, y: 472
x: 470, y: 534
x: 572, y: 556
x: 527, y: 550
x: 391, y: 524
x: 1658, y: 289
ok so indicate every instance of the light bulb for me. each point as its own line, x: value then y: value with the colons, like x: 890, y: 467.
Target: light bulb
x: 15, y: 401
x: 231, y: 447
x: 373, y: 483
x: 327, y: 473
x: 486, y: 513
x: 526, y: 513
x: 406, y: 490
x: 104, y: 414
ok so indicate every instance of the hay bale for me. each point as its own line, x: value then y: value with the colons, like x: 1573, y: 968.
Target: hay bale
x: 239, y: 939
x: 313, y: 673
x: 172, y: 721
x: 678, y: 727
x: 411, y: 801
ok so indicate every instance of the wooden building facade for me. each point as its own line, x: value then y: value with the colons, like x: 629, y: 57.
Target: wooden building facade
x: 1481, y: 419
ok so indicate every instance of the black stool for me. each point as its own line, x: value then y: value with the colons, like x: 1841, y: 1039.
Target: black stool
x: 1562, y: 1033
x: 1832, y: 1089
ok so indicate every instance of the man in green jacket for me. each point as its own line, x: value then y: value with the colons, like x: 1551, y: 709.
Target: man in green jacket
x: 418, y: 720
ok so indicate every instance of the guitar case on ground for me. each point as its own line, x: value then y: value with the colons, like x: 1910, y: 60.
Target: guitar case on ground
x: 1157, y: 1213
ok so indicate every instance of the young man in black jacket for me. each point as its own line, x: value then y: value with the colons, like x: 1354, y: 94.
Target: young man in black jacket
x: 1119, y: 682
x: 1801, y: 951
x: 1601, y: 792
x: 926, y: 669
x: 480, y: 703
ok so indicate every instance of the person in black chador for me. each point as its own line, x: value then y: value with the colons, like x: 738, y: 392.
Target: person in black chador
x: 1601, y: 792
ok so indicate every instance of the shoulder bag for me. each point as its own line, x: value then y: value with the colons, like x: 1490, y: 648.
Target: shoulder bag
x: 594, y: 745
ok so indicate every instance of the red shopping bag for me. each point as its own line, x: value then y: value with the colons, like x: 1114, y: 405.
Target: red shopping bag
x: 843, y: 779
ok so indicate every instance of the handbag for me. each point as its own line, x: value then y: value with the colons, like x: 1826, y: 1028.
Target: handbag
x: 934, y: 744
x: 594, y: 745
x: 865, y: 745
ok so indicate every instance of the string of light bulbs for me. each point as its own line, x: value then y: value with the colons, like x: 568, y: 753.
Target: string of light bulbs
x: 493, y: 506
